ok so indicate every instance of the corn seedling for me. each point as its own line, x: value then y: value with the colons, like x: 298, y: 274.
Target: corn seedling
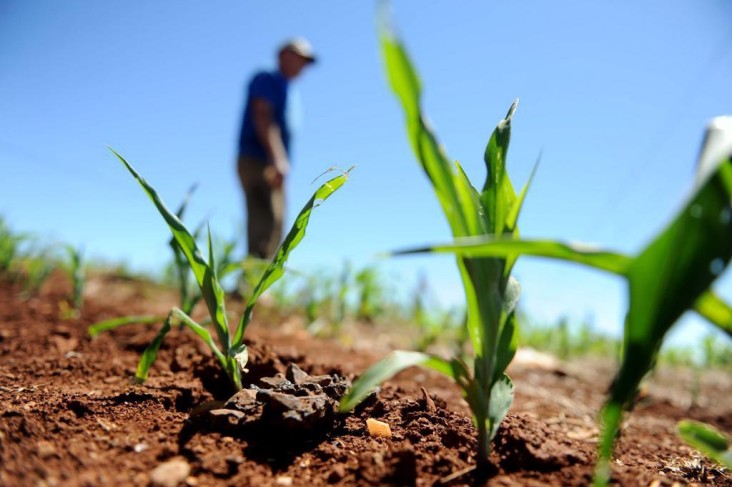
x: 75, y: 268
x: 10, y: 252
x: 671, y: 275
x: 370, y: 296
x: 230, y: 350
x: 21, y: 262
x: 708, y: 440
x: 491, y: 293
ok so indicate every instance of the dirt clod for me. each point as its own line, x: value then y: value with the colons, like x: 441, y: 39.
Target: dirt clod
x: 170, y: 474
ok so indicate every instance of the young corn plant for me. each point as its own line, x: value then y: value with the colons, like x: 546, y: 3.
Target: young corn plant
x: 491, y: 293
x: 75, y: 268
x: 671, y: 275
x: 229, y: 349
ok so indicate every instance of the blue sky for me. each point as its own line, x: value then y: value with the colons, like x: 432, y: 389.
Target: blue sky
x: 614, y: 95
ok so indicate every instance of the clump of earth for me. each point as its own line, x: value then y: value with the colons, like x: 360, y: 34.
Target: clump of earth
x: 295, y: 402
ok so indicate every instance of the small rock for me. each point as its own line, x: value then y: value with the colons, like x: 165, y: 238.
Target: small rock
x: 429, y: 404
x: 171, y: 473
x: 226, y: 417
x: 337, y: 474
x: 241, y: 400
x: 277, y: 382
x: 283, y: 480
x: 295, y: 374
x: 45, y: 449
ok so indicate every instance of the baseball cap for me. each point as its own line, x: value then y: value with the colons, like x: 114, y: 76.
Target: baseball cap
x: 301, y: 47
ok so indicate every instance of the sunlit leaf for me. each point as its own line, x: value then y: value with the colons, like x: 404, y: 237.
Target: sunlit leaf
x: 488, y: 246
x: 276, y: 268
x: 113, y: 323
x: 387, y: 368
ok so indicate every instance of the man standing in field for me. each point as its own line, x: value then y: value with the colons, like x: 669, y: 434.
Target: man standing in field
x: 264, y: 146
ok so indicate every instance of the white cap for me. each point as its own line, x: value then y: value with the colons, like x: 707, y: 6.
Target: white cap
x: 301, y: 47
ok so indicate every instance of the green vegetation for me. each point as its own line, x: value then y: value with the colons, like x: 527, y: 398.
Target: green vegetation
x: 567, y: 340
x: 707, y: 440
x: 76, y: 271
x: 230, y: 351
x: 670, y: 276
x: 22, y: 261
x: 491, y: 293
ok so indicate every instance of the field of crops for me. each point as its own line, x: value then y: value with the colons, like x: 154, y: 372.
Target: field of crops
x: 72, y: 416
x: 223, y: 373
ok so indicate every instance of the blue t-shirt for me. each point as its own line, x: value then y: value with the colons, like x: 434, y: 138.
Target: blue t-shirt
x: 272, y: 87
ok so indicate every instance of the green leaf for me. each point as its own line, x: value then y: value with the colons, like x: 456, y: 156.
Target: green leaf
x: 716, y: 311
x: 198, y: 264
x: 672, y: 273
x: 498, y: 195
x: 488, y: 246
x: 507, y: 345
x: 387, y: 368
x: 405, y: 84
x: 107, y: 325
x: 707, y: 440
x: 501, y: 400
x: 151, y: 352
x: 667, y: 279
x: 276, y: 268
x: 176, y: 317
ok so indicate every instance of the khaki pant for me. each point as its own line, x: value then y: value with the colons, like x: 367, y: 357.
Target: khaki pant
x: 265, y: 208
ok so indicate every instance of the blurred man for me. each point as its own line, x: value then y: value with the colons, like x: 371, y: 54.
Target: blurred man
x: 264, y: 145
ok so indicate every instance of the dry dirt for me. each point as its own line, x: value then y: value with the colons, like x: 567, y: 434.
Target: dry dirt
x: 70, y: 415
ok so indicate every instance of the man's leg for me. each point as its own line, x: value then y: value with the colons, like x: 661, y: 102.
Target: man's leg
x: 277, y: 201
x: 260, y: 212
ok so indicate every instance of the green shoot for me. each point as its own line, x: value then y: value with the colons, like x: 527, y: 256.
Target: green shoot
x: 491, y: 293
x: 670, y: 276
x: 230, y: 350
x: 75, y: 268
x: 370, y: 297
x: 707, y: 440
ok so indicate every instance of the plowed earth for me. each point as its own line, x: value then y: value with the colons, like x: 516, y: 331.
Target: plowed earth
x: 70, y: 415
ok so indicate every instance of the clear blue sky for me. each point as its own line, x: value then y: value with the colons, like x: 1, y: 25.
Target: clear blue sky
x: 615, y: 94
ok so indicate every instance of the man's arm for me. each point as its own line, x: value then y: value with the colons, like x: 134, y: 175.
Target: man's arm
x: 270, y: 137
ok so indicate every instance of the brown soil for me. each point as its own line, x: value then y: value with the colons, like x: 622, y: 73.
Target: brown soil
x: 70, y: 415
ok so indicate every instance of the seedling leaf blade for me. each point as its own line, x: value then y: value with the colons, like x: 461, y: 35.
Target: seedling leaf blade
x: 106, y: 325
x: 151, y: 352
x: 489, y: 246
x: 665, y: 280
x: 498, y: 195
x: 276, y: 268
x: 175, y: 317
x: 501, y: 400
x: 387, y: 368
x: 404, y: 81
x: 210, y: 289
x: 716, y: 311
x: 707, y: 440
